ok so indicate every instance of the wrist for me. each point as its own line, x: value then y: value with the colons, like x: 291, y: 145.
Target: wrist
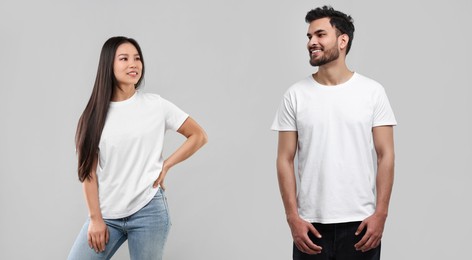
x: 381, y: 213
x: 166, y: 165
x: 292, y: 217
x: 95, y: 217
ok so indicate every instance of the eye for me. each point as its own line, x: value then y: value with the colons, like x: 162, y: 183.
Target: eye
x: 137, y: 58
x: 123, y: 59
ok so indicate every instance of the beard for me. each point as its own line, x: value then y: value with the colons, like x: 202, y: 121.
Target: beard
x: 328, y: 56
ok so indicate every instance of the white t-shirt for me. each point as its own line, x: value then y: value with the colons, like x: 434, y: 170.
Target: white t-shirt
x: 335, y: 145
x: 130, y: 152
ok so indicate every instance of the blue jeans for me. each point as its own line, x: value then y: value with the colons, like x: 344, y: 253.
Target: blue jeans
x: 338, y: 242
x: 146, y: 231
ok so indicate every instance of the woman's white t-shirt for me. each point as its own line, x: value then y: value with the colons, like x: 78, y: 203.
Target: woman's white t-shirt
x: 130, y: 152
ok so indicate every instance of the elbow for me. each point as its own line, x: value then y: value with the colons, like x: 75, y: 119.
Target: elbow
x: 202, y: 139
x: 386, y: 157
x: 283, y: 162
x: 198, y: 139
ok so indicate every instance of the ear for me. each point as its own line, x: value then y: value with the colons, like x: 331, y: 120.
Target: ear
x: 343, y: 40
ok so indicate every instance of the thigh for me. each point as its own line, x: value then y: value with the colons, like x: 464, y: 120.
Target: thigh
x: 345, y: 246
x: 81, y: 250
x: 148, y: 229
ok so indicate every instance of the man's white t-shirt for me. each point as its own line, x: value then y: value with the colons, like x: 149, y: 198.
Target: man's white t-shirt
x: 335, y: 145
x: 130, y: 152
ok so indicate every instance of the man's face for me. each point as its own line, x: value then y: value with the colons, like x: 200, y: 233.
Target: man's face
x: 322, y: 44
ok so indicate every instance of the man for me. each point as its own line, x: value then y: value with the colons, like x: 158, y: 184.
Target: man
x: 334, y: 119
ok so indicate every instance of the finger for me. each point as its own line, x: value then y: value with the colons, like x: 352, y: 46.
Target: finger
x: 89, y: 240
x: 156, y: 183
x: 107, y: 236
x: 314, y: 248
x: 372, y: 245
x: 362, y: 242
x: 300, y: 247
x: 314, y: 231
x: 311, y: 248
x: 377, y: 243
x: 95, y: 243
x: 360, y: 228
x: 368, y: 245
x: 160, y: 182
x: 306, y: 249
x: 373, y: 242
x: 103, y: 241
x: 99, y: 242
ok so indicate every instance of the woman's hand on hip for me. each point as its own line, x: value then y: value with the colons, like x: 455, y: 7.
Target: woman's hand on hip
x: 160, y: 179
x: 196, y: 138
x: 98, y: 235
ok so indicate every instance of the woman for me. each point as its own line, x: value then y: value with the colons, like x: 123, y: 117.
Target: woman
x: 119, y: 144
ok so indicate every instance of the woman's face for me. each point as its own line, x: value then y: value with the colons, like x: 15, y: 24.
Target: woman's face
x: 127, y: 65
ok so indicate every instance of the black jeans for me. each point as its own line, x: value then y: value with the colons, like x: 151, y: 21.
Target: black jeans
x: 338, y: 242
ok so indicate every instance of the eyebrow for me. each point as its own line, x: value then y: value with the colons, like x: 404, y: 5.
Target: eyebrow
x: 124, y: 54
x: 317, y: 31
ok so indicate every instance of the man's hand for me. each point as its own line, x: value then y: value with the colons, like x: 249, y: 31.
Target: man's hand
x: 300, y: 229
x: 375, y: 226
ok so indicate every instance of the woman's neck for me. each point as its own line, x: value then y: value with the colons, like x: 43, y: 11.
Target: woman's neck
x: 123, y: 93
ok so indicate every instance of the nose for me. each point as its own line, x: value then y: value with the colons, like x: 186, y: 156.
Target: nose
x: 312, y: 42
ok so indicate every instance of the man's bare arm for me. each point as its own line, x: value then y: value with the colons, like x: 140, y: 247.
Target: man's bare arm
x: 384, y: 147
x: 287, y: 149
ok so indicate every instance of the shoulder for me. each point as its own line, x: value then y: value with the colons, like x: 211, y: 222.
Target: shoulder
x: 149, y: 96
x: 152, y: 98
x: 299, y: 86
x: 157, y: 100
x: 368, y: 84
x: 302, y: 84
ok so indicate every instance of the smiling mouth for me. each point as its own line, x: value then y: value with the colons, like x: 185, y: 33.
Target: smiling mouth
x: 313, y: 52
x: 132, y: 73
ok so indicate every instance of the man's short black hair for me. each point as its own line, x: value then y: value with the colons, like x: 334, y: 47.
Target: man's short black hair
x: 343, y: 23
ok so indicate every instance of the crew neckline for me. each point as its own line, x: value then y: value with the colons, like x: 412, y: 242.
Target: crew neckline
x: 124, y: 102
x: 338, y: 86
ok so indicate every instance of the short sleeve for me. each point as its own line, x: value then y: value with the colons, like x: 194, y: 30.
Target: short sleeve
x: 383, y: 113
x: 285, y: 117
x: 174, y: 116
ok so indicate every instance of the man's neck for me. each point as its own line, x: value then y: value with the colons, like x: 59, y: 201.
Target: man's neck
x: 332, y: 74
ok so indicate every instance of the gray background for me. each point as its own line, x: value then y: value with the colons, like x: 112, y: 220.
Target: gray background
x: 227, y: 63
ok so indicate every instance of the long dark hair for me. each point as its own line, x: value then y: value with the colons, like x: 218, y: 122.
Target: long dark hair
x: 92, y: 120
